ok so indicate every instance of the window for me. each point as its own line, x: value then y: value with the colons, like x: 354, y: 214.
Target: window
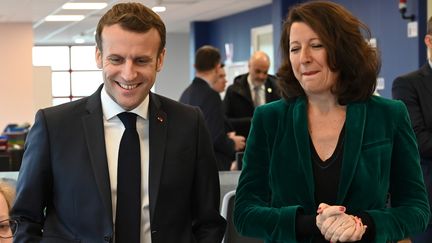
x: 74, y: 71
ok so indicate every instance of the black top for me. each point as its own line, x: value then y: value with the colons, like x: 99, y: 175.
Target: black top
x: 326, y: 177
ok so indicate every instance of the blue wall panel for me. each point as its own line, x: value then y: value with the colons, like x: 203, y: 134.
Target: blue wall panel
x: 399, y: 54
x: 236, y: 29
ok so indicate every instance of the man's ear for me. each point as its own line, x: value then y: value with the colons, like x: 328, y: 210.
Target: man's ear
x: 160, y: 60
x: 98, y: 57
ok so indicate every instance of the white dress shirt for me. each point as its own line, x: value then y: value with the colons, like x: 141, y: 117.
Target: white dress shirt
x: 113, y: 128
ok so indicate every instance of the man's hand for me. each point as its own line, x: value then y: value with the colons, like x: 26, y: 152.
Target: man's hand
x: 239, y: 141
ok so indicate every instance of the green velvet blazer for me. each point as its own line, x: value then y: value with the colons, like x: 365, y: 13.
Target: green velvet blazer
x: 380, y: 158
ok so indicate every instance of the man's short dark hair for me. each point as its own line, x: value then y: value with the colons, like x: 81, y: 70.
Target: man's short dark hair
x: 207, y: 58
x: 132, y: 17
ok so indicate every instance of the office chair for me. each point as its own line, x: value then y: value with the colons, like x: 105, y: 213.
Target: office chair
x: 231, y: 235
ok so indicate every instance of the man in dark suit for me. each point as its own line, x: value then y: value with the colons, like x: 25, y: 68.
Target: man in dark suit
x: 200, y: 93
x: 69, y: 181
x: 415, y: 90
x: 249, y: 91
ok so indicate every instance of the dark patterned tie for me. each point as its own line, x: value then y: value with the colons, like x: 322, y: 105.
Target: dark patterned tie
x: 128, y: 212
x: 257, y: 95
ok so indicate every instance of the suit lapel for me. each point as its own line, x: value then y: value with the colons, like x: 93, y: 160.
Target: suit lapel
x: 268, y: 91
x: 301, y: 134
x: 95, y: 139
x: 158, y: 124
x: 426, y: 72
x: 245, y: 90
x: 354, y: 126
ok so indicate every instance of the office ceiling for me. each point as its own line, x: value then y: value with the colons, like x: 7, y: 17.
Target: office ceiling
x: 177, y: 17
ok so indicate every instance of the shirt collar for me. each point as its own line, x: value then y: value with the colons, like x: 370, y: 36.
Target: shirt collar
x: 430, y: 63
x: 252, y: 85
x: 111, y: 109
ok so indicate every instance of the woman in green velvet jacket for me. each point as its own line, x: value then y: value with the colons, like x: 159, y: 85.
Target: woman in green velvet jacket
x: 330, y: 161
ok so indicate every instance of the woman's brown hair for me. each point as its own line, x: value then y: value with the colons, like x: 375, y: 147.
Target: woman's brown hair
x: 345, y: 39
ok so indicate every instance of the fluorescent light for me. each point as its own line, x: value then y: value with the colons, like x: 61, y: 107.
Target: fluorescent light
x: 84, y: 5
x: 79, y: 40
x: 64, y: 18
x: 159, y: 9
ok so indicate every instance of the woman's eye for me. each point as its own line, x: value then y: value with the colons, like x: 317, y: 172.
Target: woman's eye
x: 317, y: 45
x: 294, y: 49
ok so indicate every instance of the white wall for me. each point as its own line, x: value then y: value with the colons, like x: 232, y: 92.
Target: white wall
x: 16, y: 81
x: 23, y: 89
x: 42, y: 88
x: 174, y: 77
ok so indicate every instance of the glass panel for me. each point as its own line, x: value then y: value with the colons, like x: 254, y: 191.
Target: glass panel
x: 58, y: 101
x: 85, y: 83
x: 55, y: 56
x: 265, y: 44
x: 60, y: 84
x: 83, y: 58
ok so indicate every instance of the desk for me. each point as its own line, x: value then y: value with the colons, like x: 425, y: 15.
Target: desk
x: 11, y: 160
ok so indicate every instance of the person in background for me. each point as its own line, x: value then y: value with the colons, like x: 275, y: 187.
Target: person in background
x: 8, y: 226
x: 248, y: 91
x: 201, y: 94
x: 321, y: 163
x: 415, y: 90
x: 220, y: 84
x: 124, y: 164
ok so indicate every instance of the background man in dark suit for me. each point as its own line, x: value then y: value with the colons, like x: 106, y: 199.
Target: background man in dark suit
x: 415, y: 90
x: 248, y: 91
x: 67, y: 187
x: 200, y: 93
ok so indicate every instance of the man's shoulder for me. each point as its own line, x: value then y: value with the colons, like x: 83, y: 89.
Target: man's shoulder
x: 166, y: 102
x: 415, y: 75
x: 271, y: 80
x: 239, y: 83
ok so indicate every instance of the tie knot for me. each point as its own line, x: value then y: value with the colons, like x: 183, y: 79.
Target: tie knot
x: 128, y: 119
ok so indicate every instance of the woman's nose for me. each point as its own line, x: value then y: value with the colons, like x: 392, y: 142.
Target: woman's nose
x: 305, y: 55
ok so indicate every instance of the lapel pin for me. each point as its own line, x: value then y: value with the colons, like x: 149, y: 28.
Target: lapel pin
x: 269, y: 90
x: 160, y: 119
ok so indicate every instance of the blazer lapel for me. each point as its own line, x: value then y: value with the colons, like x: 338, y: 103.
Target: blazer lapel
x: 301, y: 134
x: 354, y: 126
x: 158, y: 124
x: 244, y: 91
x: 94, y: 133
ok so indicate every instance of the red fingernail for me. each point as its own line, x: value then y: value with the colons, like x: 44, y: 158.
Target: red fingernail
x: 342, y: 209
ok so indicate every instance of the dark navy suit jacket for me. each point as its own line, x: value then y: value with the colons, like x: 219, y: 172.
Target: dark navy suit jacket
x: 200, y: 94
x: 415, y: 90
x: 63, y: 189
x: 238, y: 104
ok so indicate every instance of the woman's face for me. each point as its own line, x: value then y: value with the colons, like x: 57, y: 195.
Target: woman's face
x: 309, y: 60
x: 4, y: 215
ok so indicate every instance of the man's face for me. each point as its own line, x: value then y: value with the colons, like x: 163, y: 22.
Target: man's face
x: 129, y: 63
x: 258, y: 70
x: 428, y: 42
x: 219, y: 85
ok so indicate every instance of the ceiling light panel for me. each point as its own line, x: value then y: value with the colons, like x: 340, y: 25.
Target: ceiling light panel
x: 64, y: 18
x: 84, y: 5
